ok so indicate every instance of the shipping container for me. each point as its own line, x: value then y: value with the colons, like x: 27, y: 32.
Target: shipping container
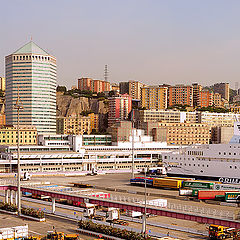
x: 198, y: 184
x: 232, y: 196
x: 167, y: 183
x: 185, y: 192
x: 209, y: 194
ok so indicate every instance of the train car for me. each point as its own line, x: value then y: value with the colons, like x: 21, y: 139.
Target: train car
x: 167, y: 183
x: 141, y: 181
x: 198, y: 184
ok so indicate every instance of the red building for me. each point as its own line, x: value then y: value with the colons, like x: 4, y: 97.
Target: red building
x: 180, y: 94
x: 206, y: 98
x: 93, y: 85
x: 119, y: 108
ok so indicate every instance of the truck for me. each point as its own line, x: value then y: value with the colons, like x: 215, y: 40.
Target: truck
x: 220, y: 232
x: 112, y: 214
x: 53, y: 235
x: 89, y: 210
x: 26, y: 176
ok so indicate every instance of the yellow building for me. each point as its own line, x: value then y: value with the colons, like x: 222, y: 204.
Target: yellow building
x: 8, y: 135
x: 73, y: 125
x: 154, y: 97
x: 181, y: 133
x: 94, y: 122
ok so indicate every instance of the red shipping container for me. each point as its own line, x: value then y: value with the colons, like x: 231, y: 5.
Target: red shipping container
x: 211, y: 194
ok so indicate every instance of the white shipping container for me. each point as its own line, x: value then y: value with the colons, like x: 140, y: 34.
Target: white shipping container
x: 185, y: 192
x: 131, y: 213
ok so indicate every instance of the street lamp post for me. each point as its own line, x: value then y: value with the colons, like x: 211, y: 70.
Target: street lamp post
x: 132, y: 148
x: 144, y: 219
x: 18, y: 107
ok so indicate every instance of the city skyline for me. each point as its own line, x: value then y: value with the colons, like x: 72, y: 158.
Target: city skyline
x: 154, y: 42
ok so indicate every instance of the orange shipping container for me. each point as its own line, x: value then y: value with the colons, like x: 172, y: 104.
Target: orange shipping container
x: 210, y: 194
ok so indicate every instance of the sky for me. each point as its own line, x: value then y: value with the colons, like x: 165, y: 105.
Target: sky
x: 153, y: 41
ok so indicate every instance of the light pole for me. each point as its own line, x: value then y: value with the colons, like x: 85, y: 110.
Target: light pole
x: 144, y: 219
x: 132, y: 147
x: 18, y: 106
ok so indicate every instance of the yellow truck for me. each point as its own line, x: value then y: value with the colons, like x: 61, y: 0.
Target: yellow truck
x: 167, y: 183
x: 220, y: 232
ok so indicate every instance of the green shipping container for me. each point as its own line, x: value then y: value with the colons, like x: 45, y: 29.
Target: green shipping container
x: 198, y: 184
x: 232, y: 196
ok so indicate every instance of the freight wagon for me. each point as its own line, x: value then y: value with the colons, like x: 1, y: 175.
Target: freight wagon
x: 167, y: 183
x: 198, y: 184
x: 141, y: 181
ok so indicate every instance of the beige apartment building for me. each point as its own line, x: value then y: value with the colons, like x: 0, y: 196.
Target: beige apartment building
x: 179, y: 133
x: 74, y: 125
x: 154, y: 97
x: 172, y: 116
x: 132, y: 88
x: 8, y: 135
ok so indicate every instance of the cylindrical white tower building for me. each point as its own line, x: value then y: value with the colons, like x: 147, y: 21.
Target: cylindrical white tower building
x: 33, y: 71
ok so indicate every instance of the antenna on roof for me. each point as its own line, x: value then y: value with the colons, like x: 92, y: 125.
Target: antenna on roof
x: 106, y: 73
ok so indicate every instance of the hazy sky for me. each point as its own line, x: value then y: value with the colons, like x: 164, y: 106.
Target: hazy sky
x: 153, y: 41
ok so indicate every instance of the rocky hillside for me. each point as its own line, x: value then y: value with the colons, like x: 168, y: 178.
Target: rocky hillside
x: 70, y: 106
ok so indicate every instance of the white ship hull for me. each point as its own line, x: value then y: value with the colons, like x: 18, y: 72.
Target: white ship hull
x: 215, y: 161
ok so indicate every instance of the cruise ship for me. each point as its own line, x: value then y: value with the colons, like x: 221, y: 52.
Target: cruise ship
x: 219, y: 162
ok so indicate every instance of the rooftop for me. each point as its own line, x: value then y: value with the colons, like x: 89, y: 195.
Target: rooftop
x: 31, y: 47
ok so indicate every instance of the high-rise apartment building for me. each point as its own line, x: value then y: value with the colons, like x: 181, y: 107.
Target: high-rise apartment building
x: 119, y: 108
x: 31, y: 71
x: 180, y: 94
x: 133, y: 88
x: 90, y: 84
x: 217, y: 100
x: 206, y: 98
x: 154, y: 97
x: 223, y: 89
x: 196, y: 94
x: 2, y: 84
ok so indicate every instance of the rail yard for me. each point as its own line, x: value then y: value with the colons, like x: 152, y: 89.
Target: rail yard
x: 117, y: 187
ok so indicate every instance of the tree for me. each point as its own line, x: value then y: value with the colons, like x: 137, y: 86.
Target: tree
x: 61, y: 89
